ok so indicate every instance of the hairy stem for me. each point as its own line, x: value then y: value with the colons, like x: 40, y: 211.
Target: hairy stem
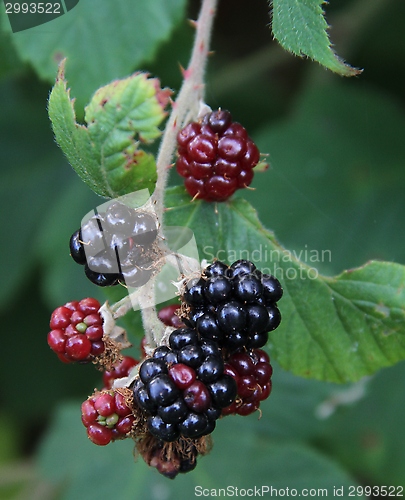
x: 186, y: 106
x: 153, y: 327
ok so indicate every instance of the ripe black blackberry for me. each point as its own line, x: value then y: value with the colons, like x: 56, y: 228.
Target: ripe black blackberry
x: 216, y: 157
x: 235, y: 305
x: 183, y: 388
x: 115, y: 246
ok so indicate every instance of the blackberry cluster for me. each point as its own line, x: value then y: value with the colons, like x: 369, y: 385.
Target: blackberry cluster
x: 107, y: 417
x: 212, y: 366
x: 183, y: 388
x: 235, y: 306
x: 252, y: 372
x: 216, y: 157
x: 116, y: 246
x: 77, y: 331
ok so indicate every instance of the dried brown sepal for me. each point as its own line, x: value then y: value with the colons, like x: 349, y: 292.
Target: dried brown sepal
x: 184, y: 310
x: 111, y: 355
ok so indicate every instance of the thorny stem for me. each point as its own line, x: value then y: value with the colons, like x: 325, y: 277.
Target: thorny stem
x: 185, y: 108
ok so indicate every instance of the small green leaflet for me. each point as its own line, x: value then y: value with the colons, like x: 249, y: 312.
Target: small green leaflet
x: 300, y: 27
x: 106, y: 153
x: 335, y: 329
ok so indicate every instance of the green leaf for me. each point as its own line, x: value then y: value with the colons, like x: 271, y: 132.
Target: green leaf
x: 333, y: 329
x: 292, y: 411
x: 105, y: 153
x: 102, y: 41
x: 85, y: 470
x: 300, y: 27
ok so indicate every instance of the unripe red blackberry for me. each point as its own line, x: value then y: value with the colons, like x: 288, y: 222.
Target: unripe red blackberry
x: 107, y: 417
x: 77, y: 331
x: 216, y: 157
x: 168, y: 316
x: 169, y: 460
x: 119, y: 370
x: 183, y: 388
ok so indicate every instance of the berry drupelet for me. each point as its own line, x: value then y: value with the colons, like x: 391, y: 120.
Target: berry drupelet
x: 216, y: 157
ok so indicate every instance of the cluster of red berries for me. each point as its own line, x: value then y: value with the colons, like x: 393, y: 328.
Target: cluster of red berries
x: 216, y: 157
x: 77, y: 331
x: 107, y: 417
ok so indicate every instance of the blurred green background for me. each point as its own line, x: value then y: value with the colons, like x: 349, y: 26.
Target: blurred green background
x: 335, y: 183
